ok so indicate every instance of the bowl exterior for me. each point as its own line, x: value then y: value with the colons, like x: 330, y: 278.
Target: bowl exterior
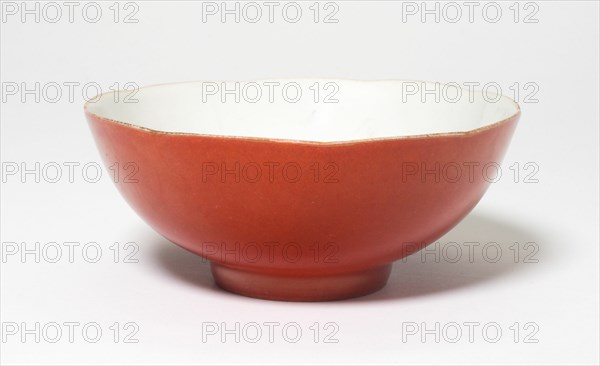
x: 295, y: 210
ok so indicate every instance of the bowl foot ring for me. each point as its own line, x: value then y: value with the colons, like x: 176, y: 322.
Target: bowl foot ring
x: 271, y: 286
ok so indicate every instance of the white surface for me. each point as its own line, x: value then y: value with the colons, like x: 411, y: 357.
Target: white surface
x: 169, y: 293
x: 357, y: 110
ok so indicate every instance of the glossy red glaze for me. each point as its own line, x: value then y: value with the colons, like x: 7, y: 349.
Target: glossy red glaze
x: 326, y: 236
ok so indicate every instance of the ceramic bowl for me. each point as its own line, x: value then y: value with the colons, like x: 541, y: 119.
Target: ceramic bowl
x: 302, y: 190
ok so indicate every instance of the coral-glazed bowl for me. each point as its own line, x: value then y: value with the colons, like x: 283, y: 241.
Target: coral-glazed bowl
x: 302, y: 190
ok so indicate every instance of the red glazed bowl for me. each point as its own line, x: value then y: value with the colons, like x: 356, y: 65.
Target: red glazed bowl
x: 302, y: 190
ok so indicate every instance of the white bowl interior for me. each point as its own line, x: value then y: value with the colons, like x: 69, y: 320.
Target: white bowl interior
x: 324, y: 111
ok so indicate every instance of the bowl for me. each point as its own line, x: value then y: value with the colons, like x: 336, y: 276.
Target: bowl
x: 302, y: 189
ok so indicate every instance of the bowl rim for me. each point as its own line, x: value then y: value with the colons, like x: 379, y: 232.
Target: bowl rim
x: 468, y: 133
